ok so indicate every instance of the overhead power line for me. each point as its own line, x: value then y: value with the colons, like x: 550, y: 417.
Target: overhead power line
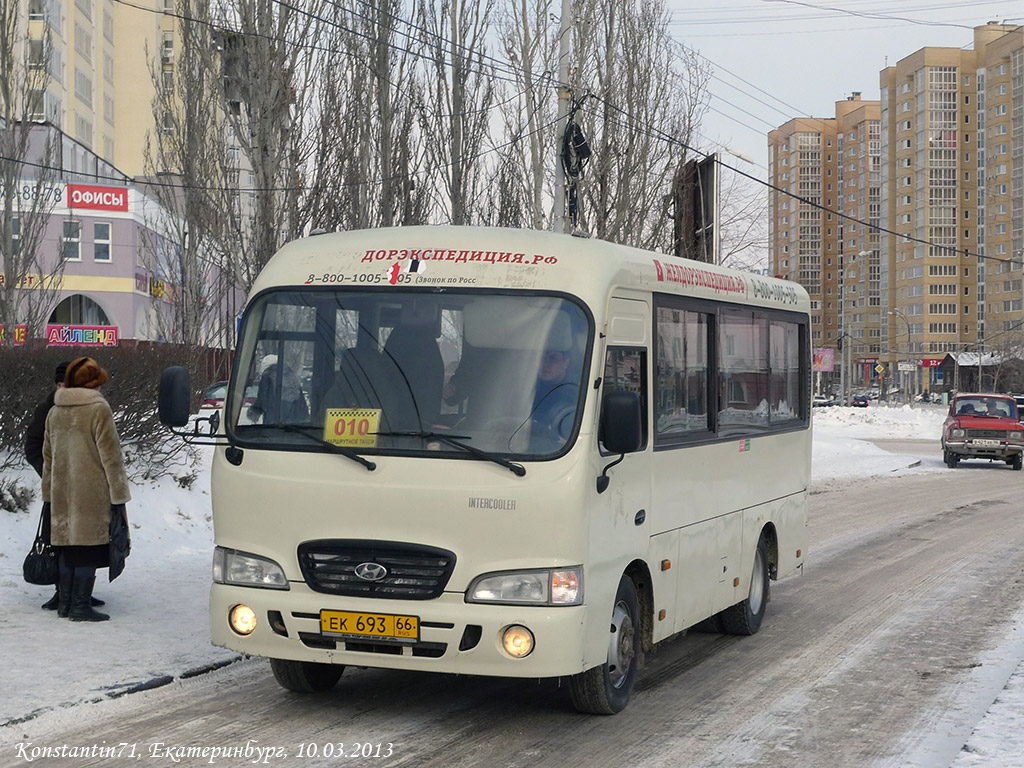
x: 655, y: 132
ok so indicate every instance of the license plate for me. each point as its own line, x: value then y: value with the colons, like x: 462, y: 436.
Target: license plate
x: 379, y: 626
x: 987, y: 443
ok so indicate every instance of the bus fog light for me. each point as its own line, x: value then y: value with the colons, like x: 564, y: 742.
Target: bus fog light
x: 242, y: 619
x: 517, y: 641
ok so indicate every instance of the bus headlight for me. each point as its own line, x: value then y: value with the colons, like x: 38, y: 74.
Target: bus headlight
x: 240, y: 568
x: 550, y: 586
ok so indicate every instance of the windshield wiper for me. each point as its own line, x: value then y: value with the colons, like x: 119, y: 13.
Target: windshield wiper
x: 456, y: 441
x: 339, y: 449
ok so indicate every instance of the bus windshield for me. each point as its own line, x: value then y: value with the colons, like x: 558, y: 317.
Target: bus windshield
x: 411, y: 372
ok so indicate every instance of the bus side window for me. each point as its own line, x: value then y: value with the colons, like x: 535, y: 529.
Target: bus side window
x: 682, y: 363
x: 625, y: 370
x: 743, y: 368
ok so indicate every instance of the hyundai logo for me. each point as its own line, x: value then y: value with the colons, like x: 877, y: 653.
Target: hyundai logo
x: 371, y: 571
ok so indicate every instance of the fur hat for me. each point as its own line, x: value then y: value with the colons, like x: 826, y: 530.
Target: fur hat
x: 85, y: 372
x: 58, y: 375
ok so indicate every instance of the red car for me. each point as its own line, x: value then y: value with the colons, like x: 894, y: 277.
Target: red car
x: 981, y: 426
x: 214, y: 396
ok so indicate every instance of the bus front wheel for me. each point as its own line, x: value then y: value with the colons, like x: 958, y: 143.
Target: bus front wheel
x: 605, y: 689
x: 745, y: 618
x: 305, y: 676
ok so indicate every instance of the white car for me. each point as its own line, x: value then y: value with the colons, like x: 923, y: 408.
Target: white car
x: 820, y: 400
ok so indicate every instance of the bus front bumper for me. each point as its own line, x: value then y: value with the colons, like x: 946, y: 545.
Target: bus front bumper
x: 454, y: 636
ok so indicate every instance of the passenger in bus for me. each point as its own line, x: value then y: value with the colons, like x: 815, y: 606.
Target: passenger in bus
x: 419, y: 376
x: 279, y: 398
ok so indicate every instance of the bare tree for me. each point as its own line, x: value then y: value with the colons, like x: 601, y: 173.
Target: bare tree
x: 265, y: 80
x: 30, y: 278
x: 190, y: 178
x: 642, y: 103
x: 366, y: 160
x: 522, y: 180
x: 743, y: 222
x: 459, y: 95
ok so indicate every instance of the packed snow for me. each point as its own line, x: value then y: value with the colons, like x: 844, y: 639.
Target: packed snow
x: 158, y: 607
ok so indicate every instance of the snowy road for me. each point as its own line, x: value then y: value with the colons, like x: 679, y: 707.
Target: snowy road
x: 886, y: 652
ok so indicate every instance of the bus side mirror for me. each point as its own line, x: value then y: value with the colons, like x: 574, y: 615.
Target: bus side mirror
x: 621, y: 429
x: 621, y: 422
x: 173, y: 399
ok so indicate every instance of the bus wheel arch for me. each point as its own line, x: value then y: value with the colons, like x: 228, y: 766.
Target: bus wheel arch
x: 771, y: 537
x: 607, y: 688
x: 745, y: 617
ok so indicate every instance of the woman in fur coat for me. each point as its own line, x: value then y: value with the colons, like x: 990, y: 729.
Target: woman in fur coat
x: 83, y: 475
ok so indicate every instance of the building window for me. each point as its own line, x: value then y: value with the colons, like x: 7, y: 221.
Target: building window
x: 79, y: 310
x: 167, y: 48
x: 71, y: 240
x: 101, y: 242
x: 83, y: 87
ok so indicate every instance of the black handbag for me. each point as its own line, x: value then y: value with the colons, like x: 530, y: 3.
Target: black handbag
x: 120, y: 542
x: 40, y: 566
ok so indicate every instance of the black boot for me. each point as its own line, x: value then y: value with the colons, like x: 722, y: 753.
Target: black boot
x: 65, y: 583
x: 54, y: 602
x: 81, y: 605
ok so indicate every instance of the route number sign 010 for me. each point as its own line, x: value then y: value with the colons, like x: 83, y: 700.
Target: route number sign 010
x: 355, y: 427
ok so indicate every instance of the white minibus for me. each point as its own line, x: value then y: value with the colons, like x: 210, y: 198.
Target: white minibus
x: 503, y: 452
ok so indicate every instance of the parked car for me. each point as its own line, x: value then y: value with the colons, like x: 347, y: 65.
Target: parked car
x: 820, y: 401
x: 1020, y: 405
x: 860, y: 401
x: 214, y: 396
x: 983, y: 426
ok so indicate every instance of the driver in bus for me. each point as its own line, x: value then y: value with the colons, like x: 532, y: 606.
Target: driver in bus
x: 555, y: 397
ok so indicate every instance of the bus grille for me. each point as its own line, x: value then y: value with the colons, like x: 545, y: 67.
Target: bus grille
x: 413, y: 571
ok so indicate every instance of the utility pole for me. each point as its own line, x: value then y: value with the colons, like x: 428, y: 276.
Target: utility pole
x: 564, y: 46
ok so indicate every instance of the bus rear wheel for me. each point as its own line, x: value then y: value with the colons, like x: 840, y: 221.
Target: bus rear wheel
x: 605, y: 689
x: 745, y: 618
x: 305, y: 676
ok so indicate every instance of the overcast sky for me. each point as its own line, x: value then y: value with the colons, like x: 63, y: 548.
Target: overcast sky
x: 779, y: 59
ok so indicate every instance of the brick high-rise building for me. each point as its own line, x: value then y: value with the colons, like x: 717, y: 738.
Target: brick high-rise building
x: 947, y: 142
x: 831, y: 169
x: 937, y: 165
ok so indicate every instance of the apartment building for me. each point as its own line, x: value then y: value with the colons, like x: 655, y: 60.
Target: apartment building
x: 104, y: 62
x: 825, y: 174
x: 929, y: 183
x: 99, y: 54
x: 947, y: 119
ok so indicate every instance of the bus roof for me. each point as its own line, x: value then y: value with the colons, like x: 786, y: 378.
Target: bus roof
x: 477, y: 257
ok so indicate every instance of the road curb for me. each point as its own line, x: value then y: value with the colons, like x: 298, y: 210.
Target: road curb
x: 113, y: 692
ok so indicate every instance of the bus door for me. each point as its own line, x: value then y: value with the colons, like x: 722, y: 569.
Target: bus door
x: 628, y: 502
